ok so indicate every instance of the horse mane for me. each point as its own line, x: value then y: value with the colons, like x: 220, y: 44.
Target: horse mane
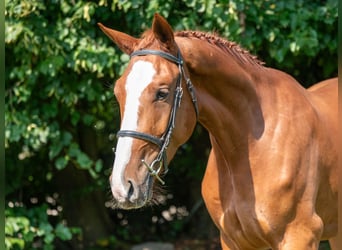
x: 229, y: 47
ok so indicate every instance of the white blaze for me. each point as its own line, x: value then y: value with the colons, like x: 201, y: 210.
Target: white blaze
x: 138, y: 79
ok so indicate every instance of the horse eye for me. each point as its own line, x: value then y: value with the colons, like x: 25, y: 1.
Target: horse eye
x: 162, y: 94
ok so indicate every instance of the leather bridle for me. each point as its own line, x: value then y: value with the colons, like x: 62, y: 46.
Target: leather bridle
x: 164, y: 141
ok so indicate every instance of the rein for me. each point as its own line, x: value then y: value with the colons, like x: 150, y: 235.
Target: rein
x: 164, y: 141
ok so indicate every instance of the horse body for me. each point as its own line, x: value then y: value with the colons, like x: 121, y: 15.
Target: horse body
x: 271, y: 177
x: 257, y: 186
x: 271, y: 138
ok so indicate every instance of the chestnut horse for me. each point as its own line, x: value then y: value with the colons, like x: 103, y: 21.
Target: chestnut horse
x: 271, y: 180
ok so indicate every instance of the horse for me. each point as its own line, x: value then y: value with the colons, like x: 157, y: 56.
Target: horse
x: 271, y: 181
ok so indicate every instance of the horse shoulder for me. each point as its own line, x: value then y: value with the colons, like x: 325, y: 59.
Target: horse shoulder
x: 212, y: 184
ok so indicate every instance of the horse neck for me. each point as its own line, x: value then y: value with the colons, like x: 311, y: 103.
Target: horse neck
x: 228, y: 101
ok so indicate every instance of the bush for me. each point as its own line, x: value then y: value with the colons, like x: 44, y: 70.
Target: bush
x: 28, y: 228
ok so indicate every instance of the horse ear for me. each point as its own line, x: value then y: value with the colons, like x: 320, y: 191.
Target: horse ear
x: 125, y: 42
x: 162, y: 30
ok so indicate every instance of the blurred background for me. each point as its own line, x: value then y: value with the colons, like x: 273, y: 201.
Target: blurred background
x: 61, y: 116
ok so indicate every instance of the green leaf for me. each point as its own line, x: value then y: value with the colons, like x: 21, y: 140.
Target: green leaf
x: 66, y: 138
x: 45, y: 227
x: 29, y: 236
x: 75, y: 117
x: 13, y: 31
x: 88, y: 119
x: 61, y: 162
x: 55, y: 149
x: 11, y: 243
x: 98, y: 166
x: 74, y: 150
x: 49, y: 238
x: 63, y: 232
x: 93, y: 173
x: 83, y: 160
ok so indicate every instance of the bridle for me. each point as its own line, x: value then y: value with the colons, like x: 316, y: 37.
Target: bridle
x: 164, y: 141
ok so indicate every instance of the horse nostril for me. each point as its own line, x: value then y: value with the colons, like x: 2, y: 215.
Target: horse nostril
x: 130, y: 190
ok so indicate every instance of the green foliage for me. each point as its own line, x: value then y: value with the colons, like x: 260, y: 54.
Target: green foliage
x: 60, y: 68
x: 30, y: 228
x: 53, y: 82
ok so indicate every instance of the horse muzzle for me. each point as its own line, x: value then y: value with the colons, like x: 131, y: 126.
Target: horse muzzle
x: 130, y: 195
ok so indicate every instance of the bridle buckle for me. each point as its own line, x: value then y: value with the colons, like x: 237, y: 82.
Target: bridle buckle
x: 153, y: 172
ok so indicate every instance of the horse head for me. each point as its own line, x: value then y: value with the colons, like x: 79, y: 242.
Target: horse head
x: 156, y: 117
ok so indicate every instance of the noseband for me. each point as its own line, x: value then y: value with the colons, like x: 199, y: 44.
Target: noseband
x: 164, y: 141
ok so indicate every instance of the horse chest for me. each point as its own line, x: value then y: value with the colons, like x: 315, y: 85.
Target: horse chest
x: 241, y: 226
x: 236, y: 219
